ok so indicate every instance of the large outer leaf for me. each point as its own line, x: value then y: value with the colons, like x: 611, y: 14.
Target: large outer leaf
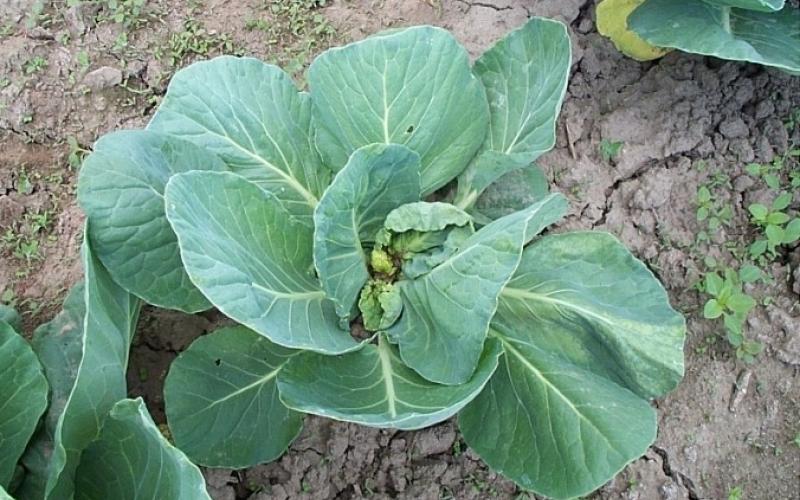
x: 763, y: 5
x: 131, y: 459
x: 447, y: 311
x: 108, y: 325
x: 772, y: 39
x: 252, y: 116
x: 589, y: 336
x: 23, y: 398
x: 58, y: 345
x: 121, y: 189
x: 525, y: 75
x: 411, y: 86
x: 597, y: 305
x: 222, y: 400
x: 373, y: 387
x: 553, y: 428
x: 253, y: 259
x: 377, y: 179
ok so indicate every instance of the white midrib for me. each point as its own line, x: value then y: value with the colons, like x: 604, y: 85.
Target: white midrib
x: 291, y: 181
x: 263, y: 380
x: 385, y: 107
x: 510, y: 349
x: 519, y: 293
x: 388, y: 375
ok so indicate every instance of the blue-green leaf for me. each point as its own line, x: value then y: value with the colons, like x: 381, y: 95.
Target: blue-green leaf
x: 447, y: 311
x: 410, y: 86
x: 23, y: 398
x: 107, y: 327
x: 58, y: 345
x: 512, y: 192
x: 251, y: 115
x: 222, y: 400
x: 253, y: 259
x: 131, y: 459
x: 377, y: 179
x: 763, y: 5
x: 558, y: 430
x: 525, y: 75
x: 769, y: 38
x: 121, y: 189
x: 589, y: 337
x: 373, y: 387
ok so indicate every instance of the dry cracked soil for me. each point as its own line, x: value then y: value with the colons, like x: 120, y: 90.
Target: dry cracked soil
x: 71, y: 71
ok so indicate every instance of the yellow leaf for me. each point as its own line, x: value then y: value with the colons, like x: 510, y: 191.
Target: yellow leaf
x: 612, y: 17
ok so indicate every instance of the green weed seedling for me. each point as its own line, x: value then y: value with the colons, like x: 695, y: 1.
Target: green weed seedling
x: 711, y: 210
x: 35, y: 65
x: 778, y: 228
x: 729, y: 302
x: 609, y: 150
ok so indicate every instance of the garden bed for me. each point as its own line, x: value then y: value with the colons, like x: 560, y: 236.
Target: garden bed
x: 635, y: 142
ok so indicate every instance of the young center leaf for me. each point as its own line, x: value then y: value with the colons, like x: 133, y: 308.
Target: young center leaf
x: 251, y: 115
x: 132, y: 459
x: 700, y: 27
x: 121, y: 189
x: 222, y: 400
x: 412, y: 87
x: 373, y: 386
x: 253, y: 259
x: 377, y: 179
x: 525, y: 75
x: 447, y: 311
x: 23, y: 398
x: 589, y: 337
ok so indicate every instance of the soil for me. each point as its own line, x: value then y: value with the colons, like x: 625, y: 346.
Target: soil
x: 684, y: 121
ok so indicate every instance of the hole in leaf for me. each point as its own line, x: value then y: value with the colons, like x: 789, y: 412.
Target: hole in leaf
x: 410, y: 129
x: 217, y: 362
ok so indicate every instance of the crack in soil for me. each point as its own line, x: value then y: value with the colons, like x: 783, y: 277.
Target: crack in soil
x: 678, y: 477
x: 486, y: 5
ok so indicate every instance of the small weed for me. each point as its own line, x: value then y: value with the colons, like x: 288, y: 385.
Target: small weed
x: 9, y: 298
x: 778, y: 228
x: 195, y: 40
x: 76, y: 153
x: 711, y: 210
x: 24, y: 184
x: 609, y: 150
x: 729, y: 302
x: 735, y: 493
x: 131, y: 14
x: 797, y: 440
x: 294, y: 30
x: 35, y: 65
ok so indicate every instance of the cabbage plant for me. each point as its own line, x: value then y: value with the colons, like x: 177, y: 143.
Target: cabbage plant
x: 377, y: 242
x: 758, y: 31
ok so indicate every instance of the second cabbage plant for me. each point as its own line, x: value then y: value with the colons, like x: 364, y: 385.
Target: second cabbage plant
x: 378, y: 242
